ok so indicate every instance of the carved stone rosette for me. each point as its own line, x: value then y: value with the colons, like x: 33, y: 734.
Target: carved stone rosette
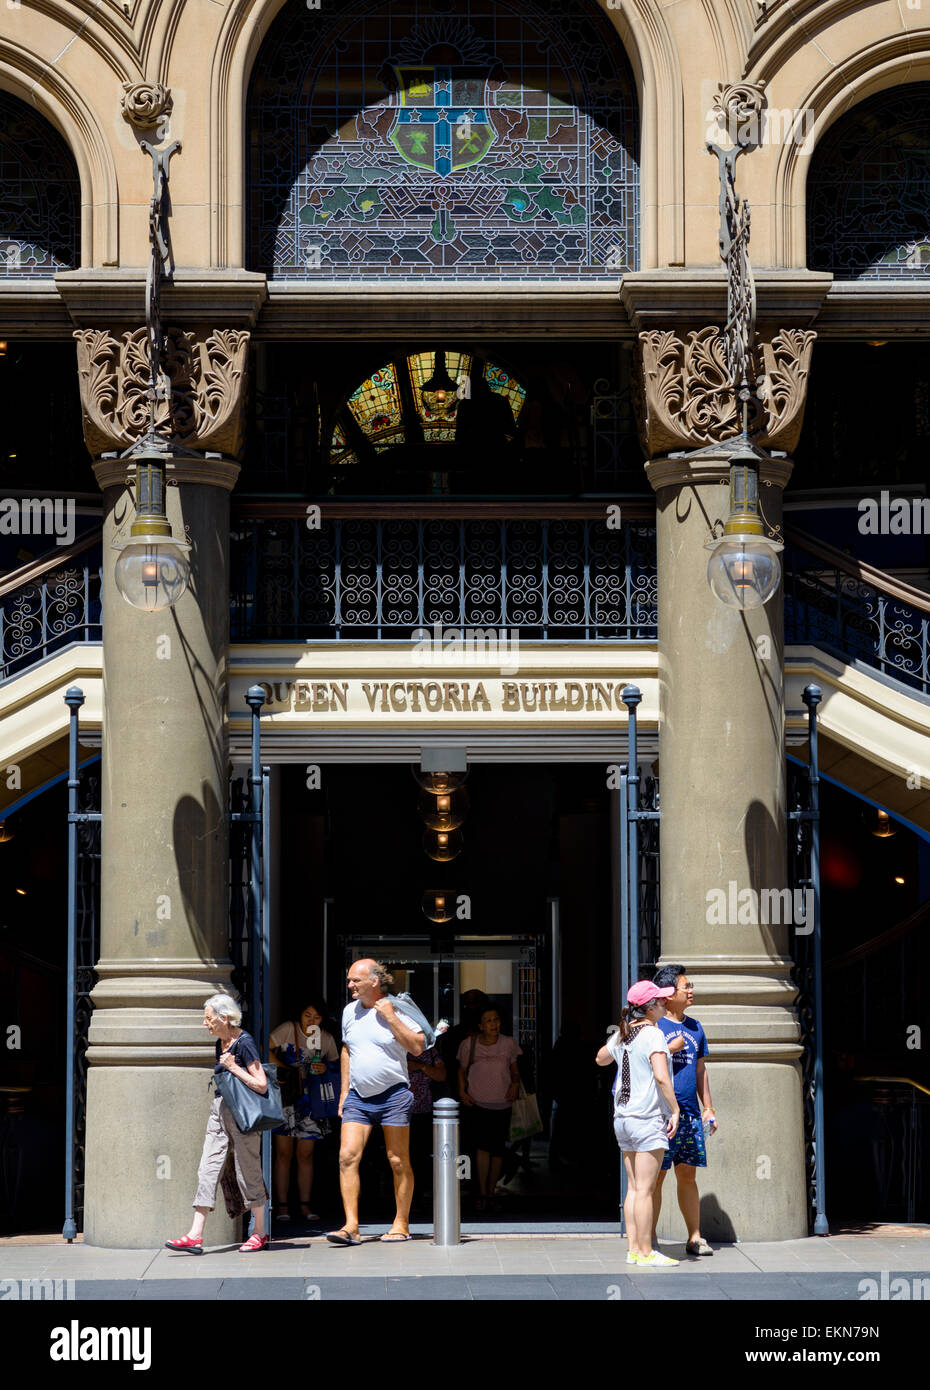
x: 144, y: 103
x: 687, y: 400
x: 204, y: 410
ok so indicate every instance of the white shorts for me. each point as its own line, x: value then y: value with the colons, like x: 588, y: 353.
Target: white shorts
x: 640, y: 1136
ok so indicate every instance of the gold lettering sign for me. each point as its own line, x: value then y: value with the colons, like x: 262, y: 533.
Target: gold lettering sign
x: 410, y: 698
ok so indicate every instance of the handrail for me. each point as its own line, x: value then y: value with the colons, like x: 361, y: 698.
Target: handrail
x: 27, y: 574
x: 858, y: 569
x: 902, y: 1080
x: 451, y: 508
x: 877, y: 943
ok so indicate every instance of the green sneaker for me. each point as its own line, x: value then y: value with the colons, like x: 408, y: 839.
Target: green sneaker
x: 655, y: 1260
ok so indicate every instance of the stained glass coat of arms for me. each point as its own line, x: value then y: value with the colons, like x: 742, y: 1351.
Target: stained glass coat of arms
x: 488, y: 139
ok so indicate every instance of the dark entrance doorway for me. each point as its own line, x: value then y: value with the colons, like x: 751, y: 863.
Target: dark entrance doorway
x: 532, y: 931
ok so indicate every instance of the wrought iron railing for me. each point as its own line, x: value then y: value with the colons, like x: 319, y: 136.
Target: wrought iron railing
x: 560, y: 572
x: 841, y: 604
x: 47, y: 604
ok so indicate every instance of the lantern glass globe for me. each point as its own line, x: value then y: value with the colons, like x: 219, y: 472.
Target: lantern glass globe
x: 152, y: 573
x: 744, y: 571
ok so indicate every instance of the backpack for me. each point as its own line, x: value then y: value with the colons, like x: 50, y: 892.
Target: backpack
x: 408, y: 1007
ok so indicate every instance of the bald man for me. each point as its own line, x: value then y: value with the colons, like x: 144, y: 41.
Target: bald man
x: 375, y: 1090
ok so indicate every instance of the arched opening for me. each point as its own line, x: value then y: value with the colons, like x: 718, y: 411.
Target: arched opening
x: 484, y: 140
x: 40, y: 195
x: 868, y: 189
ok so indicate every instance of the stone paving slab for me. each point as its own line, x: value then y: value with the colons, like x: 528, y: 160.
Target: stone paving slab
x: 818, y: 1259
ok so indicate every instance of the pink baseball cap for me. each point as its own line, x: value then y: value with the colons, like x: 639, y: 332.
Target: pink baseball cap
x: 644, y: 991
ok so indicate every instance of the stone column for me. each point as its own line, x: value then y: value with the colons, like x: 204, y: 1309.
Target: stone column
x: 723, y: 833
x: 722, y: 775
x: 164, y: 867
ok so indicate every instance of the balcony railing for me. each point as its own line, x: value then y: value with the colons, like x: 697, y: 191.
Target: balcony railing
x: 845, y: 606
x: 555, y: 572
x: 47, y: 604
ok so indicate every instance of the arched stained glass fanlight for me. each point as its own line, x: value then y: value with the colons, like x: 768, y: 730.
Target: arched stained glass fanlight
x: 868, y: 189
x: 40, y: 195
x: 424, y: 138
x: 377, y: 406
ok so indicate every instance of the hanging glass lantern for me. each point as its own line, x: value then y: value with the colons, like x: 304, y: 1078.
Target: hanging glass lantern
x: 744, y: 570
x: 153, y: 570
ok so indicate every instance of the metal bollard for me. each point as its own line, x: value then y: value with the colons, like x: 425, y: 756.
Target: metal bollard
x: 446, y: 1190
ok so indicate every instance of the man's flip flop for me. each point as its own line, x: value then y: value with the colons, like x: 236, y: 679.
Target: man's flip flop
x: 343, y: 1238
x: 394, y: 1237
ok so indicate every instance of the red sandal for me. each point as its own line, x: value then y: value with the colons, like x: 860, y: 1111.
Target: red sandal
x: 185, y: 1244
x: 254, y: 1243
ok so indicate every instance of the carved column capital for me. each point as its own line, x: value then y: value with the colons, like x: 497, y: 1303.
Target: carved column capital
x: 685, y: 399
x: 205, y: 409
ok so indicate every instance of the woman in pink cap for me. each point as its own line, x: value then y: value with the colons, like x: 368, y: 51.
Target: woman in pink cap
x: 645, y: 1113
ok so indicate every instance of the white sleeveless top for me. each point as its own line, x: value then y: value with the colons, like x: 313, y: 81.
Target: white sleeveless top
x: 637, y: 1096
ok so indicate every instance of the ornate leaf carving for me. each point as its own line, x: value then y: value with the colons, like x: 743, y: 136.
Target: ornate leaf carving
x: 204, y: 408
x: 687, y: 400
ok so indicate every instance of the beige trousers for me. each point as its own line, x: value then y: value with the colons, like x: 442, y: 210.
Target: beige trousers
x: 222, y: 1131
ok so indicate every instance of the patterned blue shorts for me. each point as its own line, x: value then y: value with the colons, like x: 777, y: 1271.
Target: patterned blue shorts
x: 688, y: 1145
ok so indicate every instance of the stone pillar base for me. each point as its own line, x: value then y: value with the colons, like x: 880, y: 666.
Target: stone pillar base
x: 148, y: 1094
x: 754, y: 1183
x: 148, y: 1124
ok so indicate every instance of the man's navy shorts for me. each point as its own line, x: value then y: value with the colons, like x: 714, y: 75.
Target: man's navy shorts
x: 688, y: 1144
x: 390, y: 1107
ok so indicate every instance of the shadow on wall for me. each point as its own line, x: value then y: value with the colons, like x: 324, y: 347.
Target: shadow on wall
x: 196, y: 829
x: 715, y: 1223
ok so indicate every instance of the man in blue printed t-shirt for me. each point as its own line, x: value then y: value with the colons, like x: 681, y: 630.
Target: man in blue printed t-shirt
x: 688, y: 1046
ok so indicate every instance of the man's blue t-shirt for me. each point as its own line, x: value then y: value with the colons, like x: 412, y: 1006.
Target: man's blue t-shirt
x: 684, y: 1062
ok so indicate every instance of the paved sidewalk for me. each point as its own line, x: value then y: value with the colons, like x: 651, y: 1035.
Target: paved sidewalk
x: 482, y: 1267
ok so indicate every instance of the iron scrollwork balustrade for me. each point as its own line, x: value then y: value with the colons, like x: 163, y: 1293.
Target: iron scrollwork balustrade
x: 39, y: 618
x: 799, y: 866
x: 832, y: 609
x: 566, y: 579
x: 88, y: 953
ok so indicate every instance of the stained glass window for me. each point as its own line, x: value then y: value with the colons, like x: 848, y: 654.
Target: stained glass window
x: 437, y: 411
x: 340, y: 455
x: 504, y: 385
x: 40, y: 195
x: 481, y: 139
x: 868, y: 190
x: 377, y: 408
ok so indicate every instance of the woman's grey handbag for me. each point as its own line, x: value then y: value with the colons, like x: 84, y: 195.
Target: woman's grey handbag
x: 252, y: 1112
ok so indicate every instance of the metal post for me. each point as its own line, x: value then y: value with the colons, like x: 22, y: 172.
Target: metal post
x: 74, y: 699
x: 255, y: 698
x: 812, y: 695
x: 631, y: 696
x: 556, y: 969
x: 266, y: 972
x: 447, y: 1227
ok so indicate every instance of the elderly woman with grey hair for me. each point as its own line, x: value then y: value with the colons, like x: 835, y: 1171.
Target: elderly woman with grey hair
x: 236, y: 1053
